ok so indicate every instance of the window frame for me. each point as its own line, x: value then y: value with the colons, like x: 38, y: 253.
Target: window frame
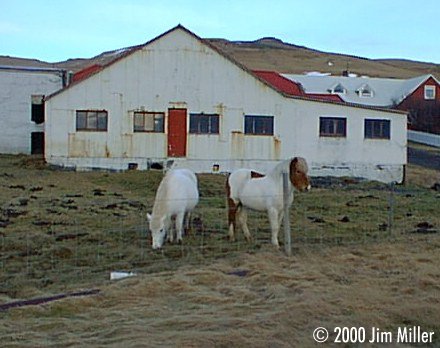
x: 384, y: 124
x: 154, y: 114
x: 336, y: 120
x: 253, y: 126
x: 195, y: 123
x: 89, y: 114
x: 429, y: 88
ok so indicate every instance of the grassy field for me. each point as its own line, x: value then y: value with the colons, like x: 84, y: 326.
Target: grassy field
x: 354, y: 264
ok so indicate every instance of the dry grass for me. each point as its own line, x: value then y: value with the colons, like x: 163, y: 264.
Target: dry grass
x: 274, y: 301
x: 421, y: 177
x: 209, y: 292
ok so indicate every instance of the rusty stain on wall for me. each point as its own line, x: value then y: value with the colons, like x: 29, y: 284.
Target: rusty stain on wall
x: 80, y: 146
x: 77, y: 147
x: 277, y: 148
x: 220, y: 109
x: 237, y: 144
x: 127, y: 145
x: 107, y: 151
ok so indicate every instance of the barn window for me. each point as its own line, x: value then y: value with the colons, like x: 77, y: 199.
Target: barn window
x: 365, y: 91
x: 37, y: 112
x: 258, y: 125
x: 149, y: 121
x: 91, y: 120
x: 332, y: 127
x: 429, y: 92
x: 338, y: 89
x: 204, y: 123
x: 377, y: 129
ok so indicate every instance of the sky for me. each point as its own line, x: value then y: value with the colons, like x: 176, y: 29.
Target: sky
x: 56, y: 30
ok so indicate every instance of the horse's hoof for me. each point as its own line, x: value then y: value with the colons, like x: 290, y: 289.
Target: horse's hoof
x: 276, y: 246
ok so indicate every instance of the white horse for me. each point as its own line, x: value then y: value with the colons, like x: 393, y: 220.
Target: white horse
x: 176, y: 196
x: 249, y: 189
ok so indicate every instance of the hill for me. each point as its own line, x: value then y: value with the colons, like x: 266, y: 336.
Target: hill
x: 271, y: 54
x: 274, y: 54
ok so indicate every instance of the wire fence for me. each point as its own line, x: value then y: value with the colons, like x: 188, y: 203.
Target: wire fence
x: 80, y: 247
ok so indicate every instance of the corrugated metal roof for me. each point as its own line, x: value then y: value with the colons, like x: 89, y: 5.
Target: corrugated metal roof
x: 31, y: 68
x: 134, y: 49
x: 385, y: 92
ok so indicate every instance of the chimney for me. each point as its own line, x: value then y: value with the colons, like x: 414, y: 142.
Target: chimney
x: 346, y: 72
x: 69, y: 77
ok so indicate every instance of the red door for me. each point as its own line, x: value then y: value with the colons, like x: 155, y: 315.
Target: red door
x: 176, y: 132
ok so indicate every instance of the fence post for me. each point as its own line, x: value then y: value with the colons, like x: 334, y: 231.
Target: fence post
x: 391, y: 208
x: 286, y: 219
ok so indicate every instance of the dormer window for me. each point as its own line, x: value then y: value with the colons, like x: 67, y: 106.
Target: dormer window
x: 338, y: 89
x: 429, y: 92
x: 365, y: 91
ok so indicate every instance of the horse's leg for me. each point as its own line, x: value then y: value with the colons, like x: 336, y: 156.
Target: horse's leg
x: 242, y: 218
x: 233, y: 209
x: 168, y: 227
x: 280, y: 218
x: 187, y: 224
x: 179, y: 226
x: 274, y: 217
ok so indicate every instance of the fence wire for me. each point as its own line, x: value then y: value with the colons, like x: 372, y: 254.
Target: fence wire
x: 78, y: 245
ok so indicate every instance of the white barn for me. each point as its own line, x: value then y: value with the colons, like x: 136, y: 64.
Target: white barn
x: 22, y: 92
x: 180, y: 101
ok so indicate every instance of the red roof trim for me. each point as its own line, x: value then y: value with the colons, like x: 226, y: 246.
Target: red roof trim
x: 326, y: 97
x: 280, y: 83
x: 86, y: 72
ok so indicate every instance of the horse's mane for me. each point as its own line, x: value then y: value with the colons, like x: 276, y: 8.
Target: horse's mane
x: 285, y: 166
x: 280, y: 168
x: 302, y: 165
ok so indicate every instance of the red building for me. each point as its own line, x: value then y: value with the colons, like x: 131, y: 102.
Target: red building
x: 423, y: 104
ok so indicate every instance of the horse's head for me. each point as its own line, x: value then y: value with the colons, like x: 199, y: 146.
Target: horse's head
x: 158, y: 232
x: 298, y: 174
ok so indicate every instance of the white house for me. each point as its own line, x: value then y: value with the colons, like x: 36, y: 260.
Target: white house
x: 180, y: 101
x: 22, y: 92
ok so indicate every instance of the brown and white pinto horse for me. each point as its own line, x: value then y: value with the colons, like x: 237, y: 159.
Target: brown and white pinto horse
x: 247, y: 189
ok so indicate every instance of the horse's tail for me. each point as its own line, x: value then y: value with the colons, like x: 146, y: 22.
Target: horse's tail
x: 232, y: 205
